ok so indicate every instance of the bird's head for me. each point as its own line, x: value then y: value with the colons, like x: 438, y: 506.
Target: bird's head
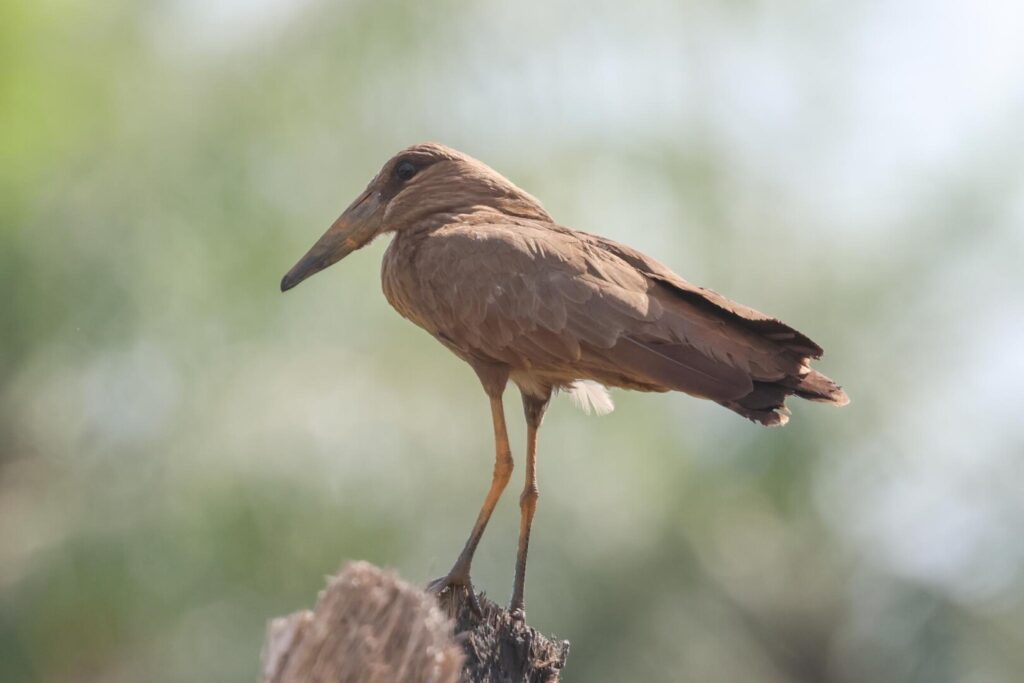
x: 422, y: 186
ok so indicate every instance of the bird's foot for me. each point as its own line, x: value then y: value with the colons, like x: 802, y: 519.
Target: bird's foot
x: 453, y: 582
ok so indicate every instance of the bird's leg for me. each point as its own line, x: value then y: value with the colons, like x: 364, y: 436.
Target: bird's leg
x: 459, y: 574
x: 534, y: 409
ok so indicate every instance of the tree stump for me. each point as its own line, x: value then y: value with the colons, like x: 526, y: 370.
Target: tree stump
x: 369, y: 626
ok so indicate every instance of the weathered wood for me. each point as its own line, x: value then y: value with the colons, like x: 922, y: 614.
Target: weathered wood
x: 501, y: 648
x: 369, y: 626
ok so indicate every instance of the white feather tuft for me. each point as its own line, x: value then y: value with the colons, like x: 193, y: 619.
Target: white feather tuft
x: 591, y: 397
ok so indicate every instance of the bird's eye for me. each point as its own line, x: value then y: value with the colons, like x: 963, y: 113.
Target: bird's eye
x: 405, y: 170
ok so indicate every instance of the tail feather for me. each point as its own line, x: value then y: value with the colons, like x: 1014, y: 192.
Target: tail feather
x: 815, y: 386
x: 766, y: 403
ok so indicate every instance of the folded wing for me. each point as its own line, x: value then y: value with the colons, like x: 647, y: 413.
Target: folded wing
x: 570, y: 305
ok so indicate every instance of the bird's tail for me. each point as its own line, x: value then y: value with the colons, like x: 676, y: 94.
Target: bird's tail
x: 766, y: 403
x: 815, y: 386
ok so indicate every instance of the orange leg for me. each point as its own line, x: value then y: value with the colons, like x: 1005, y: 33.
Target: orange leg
x: 534, y: 409
x: 459, y: 574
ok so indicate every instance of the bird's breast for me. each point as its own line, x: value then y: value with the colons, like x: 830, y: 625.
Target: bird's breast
x: 399, y: 282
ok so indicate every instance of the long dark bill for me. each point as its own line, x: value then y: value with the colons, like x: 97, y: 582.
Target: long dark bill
x: 353, y: 229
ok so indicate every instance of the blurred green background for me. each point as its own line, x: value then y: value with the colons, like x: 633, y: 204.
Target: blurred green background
x: 185, y: 452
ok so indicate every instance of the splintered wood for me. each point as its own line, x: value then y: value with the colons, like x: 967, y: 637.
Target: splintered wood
x: 501, y: 648
x: 369, y: 626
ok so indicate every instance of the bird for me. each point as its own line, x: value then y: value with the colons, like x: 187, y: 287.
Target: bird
x: 479, y: 264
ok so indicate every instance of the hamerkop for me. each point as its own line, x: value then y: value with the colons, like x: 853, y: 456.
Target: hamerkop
x: 481, y: 266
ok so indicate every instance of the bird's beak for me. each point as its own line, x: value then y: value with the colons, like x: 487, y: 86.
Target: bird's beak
x: 353, y: 229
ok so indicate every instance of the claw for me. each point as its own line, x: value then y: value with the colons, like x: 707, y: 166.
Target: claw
x: 474, y: 603
x: 439, y: 585
x: 450, y: 583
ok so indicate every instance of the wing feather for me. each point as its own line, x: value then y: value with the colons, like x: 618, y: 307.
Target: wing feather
x: 540, y: 299
x: 764, y: 325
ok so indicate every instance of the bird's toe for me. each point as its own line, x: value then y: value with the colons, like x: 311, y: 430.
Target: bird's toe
x: 455, y: 583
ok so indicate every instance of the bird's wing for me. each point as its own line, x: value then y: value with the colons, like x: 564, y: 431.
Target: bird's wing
x: 707, y: 299
x: 495, y: 288
x: 536, y: 297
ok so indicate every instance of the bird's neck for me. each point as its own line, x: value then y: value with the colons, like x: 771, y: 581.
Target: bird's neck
x: 472, y: 215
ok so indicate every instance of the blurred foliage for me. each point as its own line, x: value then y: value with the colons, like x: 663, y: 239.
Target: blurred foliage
x: 185, y: 453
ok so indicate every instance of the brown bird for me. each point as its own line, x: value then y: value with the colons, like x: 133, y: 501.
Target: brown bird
x: 480, y: 265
